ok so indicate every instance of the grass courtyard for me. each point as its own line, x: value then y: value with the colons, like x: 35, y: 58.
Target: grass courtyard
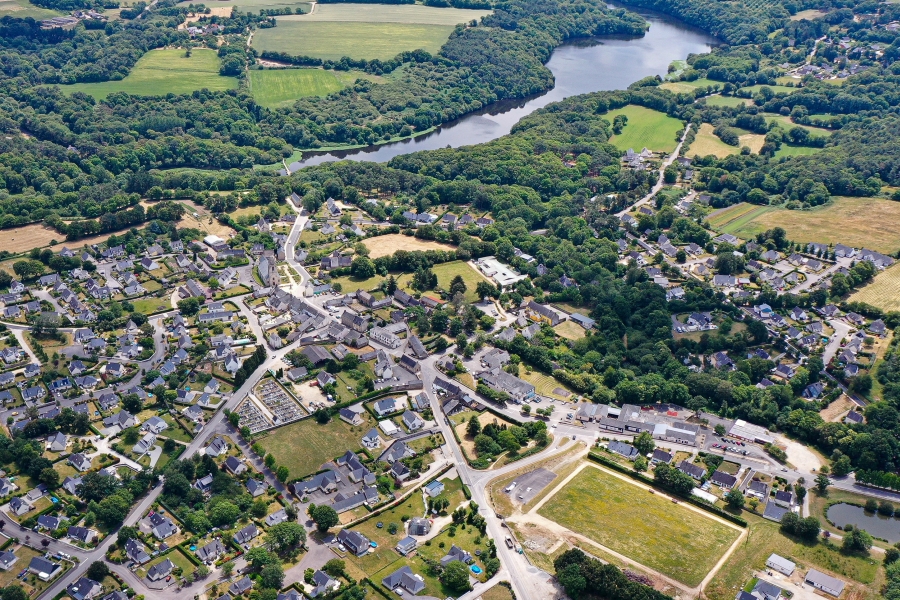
x: 645, y: 128
x: 305, y: 446
x: 625, y: 517
x: 161, y: 72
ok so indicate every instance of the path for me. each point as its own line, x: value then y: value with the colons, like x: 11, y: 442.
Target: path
x: 660, y: 182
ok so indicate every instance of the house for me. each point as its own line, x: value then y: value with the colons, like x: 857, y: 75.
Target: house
x: 758, y: 489
x: 350, y: 416
x: 456, y: 553
x: 385, y: 337
x: 720, y: 360
x: 542, y: 313
x: 371, y: 440
x: 814, y: 390
x: 277, y: 517
x: 773, y: 512
x: 694, y: 471
x: 406, y: 546
x: 161, y: 527
x: 412, y: 421
x: 354, y: 541
x: 145, y: 444
x: 160, y: 570
x: 57, y: 442
x: 826, y: 583
x: 240, y: 586
x: 82, y: 534
x: 501, y: 381
x: 43, y: 568
x: 784, y: 498
x: 49, y: 523
x: 660, y: 456
x: 7, y: 487
x: 80, y: 462
x: 135, y: 550
x: 766, y: 590
x: 723, y: 479
x: 247, y: 534
x: 419, y: 526
x: 325, y: 482
x: 211, y: 551
x: 194, y: 413
x: 784, y: 371
x: 217, y: 447
x: 234, y: 466
x: 84, y: 589
x: 7, y: 560
x: 403, y: 579
x: 155, y: 425
x: 19, y: 506
x: 853, y: 417
x: 877, y: 327
x: 386, y: 407
x: 434, y: 488
x: 623, y: 449
x: 780, y: 564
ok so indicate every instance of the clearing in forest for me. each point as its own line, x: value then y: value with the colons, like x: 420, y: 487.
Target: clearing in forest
x: 161, y: 72
x: 646, y: 128
x: 280, y: 87
x: 363, y: 31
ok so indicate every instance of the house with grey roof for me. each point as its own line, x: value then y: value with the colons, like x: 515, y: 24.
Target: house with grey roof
x: 405, y: 580
x: 160, y: 570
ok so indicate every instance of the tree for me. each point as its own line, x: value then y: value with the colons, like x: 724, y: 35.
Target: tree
x: 362, y: 267
x: 97, y: 570
x: 720, y: 430
x: 822, y: 483
x: 735, y: 499
x: 224, y: 514
x: 473, y: 428
x: 282, y: 473
x: 485, y: 289
x: 891, y: 555
x: 126, y: 533
x: 640, y: 464
x: 259, y: 509
x: 456, y: 577
x: 189, y: 306
x: 132, y: 403
x: 201, y: 572
x: 457, y: 286
x: 856, y: 540
x: 13, y: 592
x: 572, y: 580
x: 285, y: 536
x: 272, y: 575
x: 644, y: 443
x: 50, y: 477
x: 259, y: 557
x: 335, y: 567
x: 325, y: 517
x: 753, y: 503
x: 227, y: 568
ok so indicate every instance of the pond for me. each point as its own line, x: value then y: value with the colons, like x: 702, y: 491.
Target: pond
x: 579, y: 67
x: 886, y: 528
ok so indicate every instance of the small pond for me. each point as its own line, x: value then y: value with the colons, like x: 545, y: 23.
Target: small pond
x: 880, y: 526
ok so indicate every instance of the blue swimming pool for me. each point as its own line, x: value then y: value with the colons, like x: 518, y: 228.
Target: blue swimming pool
x: 475, y: 569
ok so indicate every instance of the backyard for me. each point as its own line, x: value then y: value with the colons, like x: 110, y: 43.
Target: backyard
x: 305, y: 446
x: 686, y: 545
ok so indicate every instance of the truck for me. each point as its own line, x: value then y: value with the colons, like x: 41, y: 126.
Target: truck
x: 510, y: 487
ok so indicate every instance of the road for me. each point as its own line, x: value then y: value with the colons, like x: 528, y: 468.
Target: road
x: 660, y: 182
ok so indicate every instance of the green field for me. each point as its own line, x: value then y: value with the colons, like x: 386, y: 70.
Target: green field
x: 706, y: 143
x: 161, y: 72
x: 646, y: 128
x: 787, y: 124
x: 727, y: 101
x: 281, y: 87
x: 330, y: 40
x: 857, y: 222
x: 445, y: 273
x: 625, y: 518
x: 778, y: 89
x: 389, y: 13
x: 688, y: 87
x: 305, y: 446
x: 788, y: 150
x: 22, y: 9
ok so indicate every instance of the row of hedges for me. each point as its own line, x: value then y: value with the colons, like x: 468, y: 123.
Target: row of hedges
x: 598, y: 458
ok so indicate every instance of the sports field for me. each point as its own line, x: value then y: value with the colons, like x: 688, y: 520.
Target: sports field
x: 305, y: 446
x: 646, y: 128
x: 675, y: 540
x: 280, y: 87
x: 858, y: 222
x: 366, y: 31
x: 883, y: 292
x: 161, y: 72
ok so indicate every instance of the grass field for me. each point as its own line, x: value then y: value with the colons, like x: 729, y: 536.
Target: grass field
x: 569, y: 330
x: 22, y: 9
x: 161, y: 72
x: 645, y: 128
x: 331, y: 40
x: 20, y: 239
x: 778, y: 89
x: 389, y: 13
x: 385, y: 245
x: 727, y: 101
x: 788, y: 150
x: 787, y: 124
x: 688, y: 87
x: 305, y: 446
x: 810, y: 15
x: 256, y: 5
x: 445, y: 273
x: 858, y: 222
x: 706, y: 143
x: 280, y: 87
x: 544, y: 384
x: 765, y: 538
x: 883, y: 292
x: 625, y: 517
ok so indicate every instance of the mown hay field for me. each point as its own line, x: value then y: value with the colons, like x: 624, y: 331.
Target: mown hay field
x: 279, y: 87
x: 883, y: 292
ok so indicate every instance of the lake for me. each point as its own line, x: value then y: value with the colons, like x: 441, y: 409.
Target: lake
x: 886, y: 528
x: 579, y: 67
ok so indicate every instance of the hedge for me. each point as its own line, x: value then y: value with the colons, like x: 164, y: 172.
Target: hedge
x: 650, y: 481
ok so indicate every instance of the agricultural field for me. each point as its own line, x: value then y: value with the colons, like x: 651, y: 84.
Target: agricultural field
x: 686, y: 545
x: 256, y: 5
x: 280, y: 87
x: 161, y: 72
x: 22, y: 9
x: 883, y: 292
x: 645, y: 128
x: 363, y: 31
x: 688, y: 87
x: 22, y: 239
x: 764, y: 538
x: 305, y: 446
x: 858, y: 222
x: 385, y: 245
x: 706, y: 143
x: 789, y: 150
x: 778, y: 89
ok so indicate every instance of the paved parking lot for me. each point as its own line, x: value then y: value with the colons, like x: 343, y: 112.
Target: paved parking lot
x: 531, y: 484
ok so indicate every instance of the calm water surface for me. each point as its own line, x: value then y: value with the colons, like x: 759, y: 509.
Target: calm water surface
x: 580, y: 67
x: 886, y: 528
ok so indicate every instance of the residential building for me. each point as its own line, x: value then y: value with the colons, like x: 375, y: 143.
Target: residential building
x: 826, y: 583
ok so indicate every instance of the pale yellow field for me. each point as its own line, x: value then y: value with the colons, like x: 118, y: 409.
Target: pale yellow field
x: 385, y: 245
x: 883, y: 292
x: 809, y: 15
x: 706, y: 143
x: 569, y: 330
x: 21, y: 239
x: 754, y: 141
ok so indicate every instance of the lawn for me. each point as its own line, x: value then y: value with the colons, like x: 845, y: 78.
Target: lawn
x: 543, y: 384
x: 161, y: 72
x: 858, y: 222
x: 646, y: 128
x: 445, y: 273
x: 706, y: 143
x: 810, y: 15
x: 789, y: 150
x: 391, y: 13
x: 280, y: 87
x: 883, y: 292
x: 765, y: 538
x: 176, y: 557
x: 333, y: 40
x: 305, y: 446
x: 688, y: 87
x: 148, y: 306
x: 569, y: 330
x: 727, y: 101
x: 778, y: 89
x: 625, y: 517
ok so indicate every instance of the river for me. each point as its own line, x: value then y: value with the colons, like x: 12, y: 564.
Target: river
x: 579, y: 67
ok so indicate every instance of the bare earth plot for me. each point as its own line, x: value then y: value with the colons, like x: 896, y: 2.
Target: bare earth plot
x: 625, y: 517
x: 385, y: 245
